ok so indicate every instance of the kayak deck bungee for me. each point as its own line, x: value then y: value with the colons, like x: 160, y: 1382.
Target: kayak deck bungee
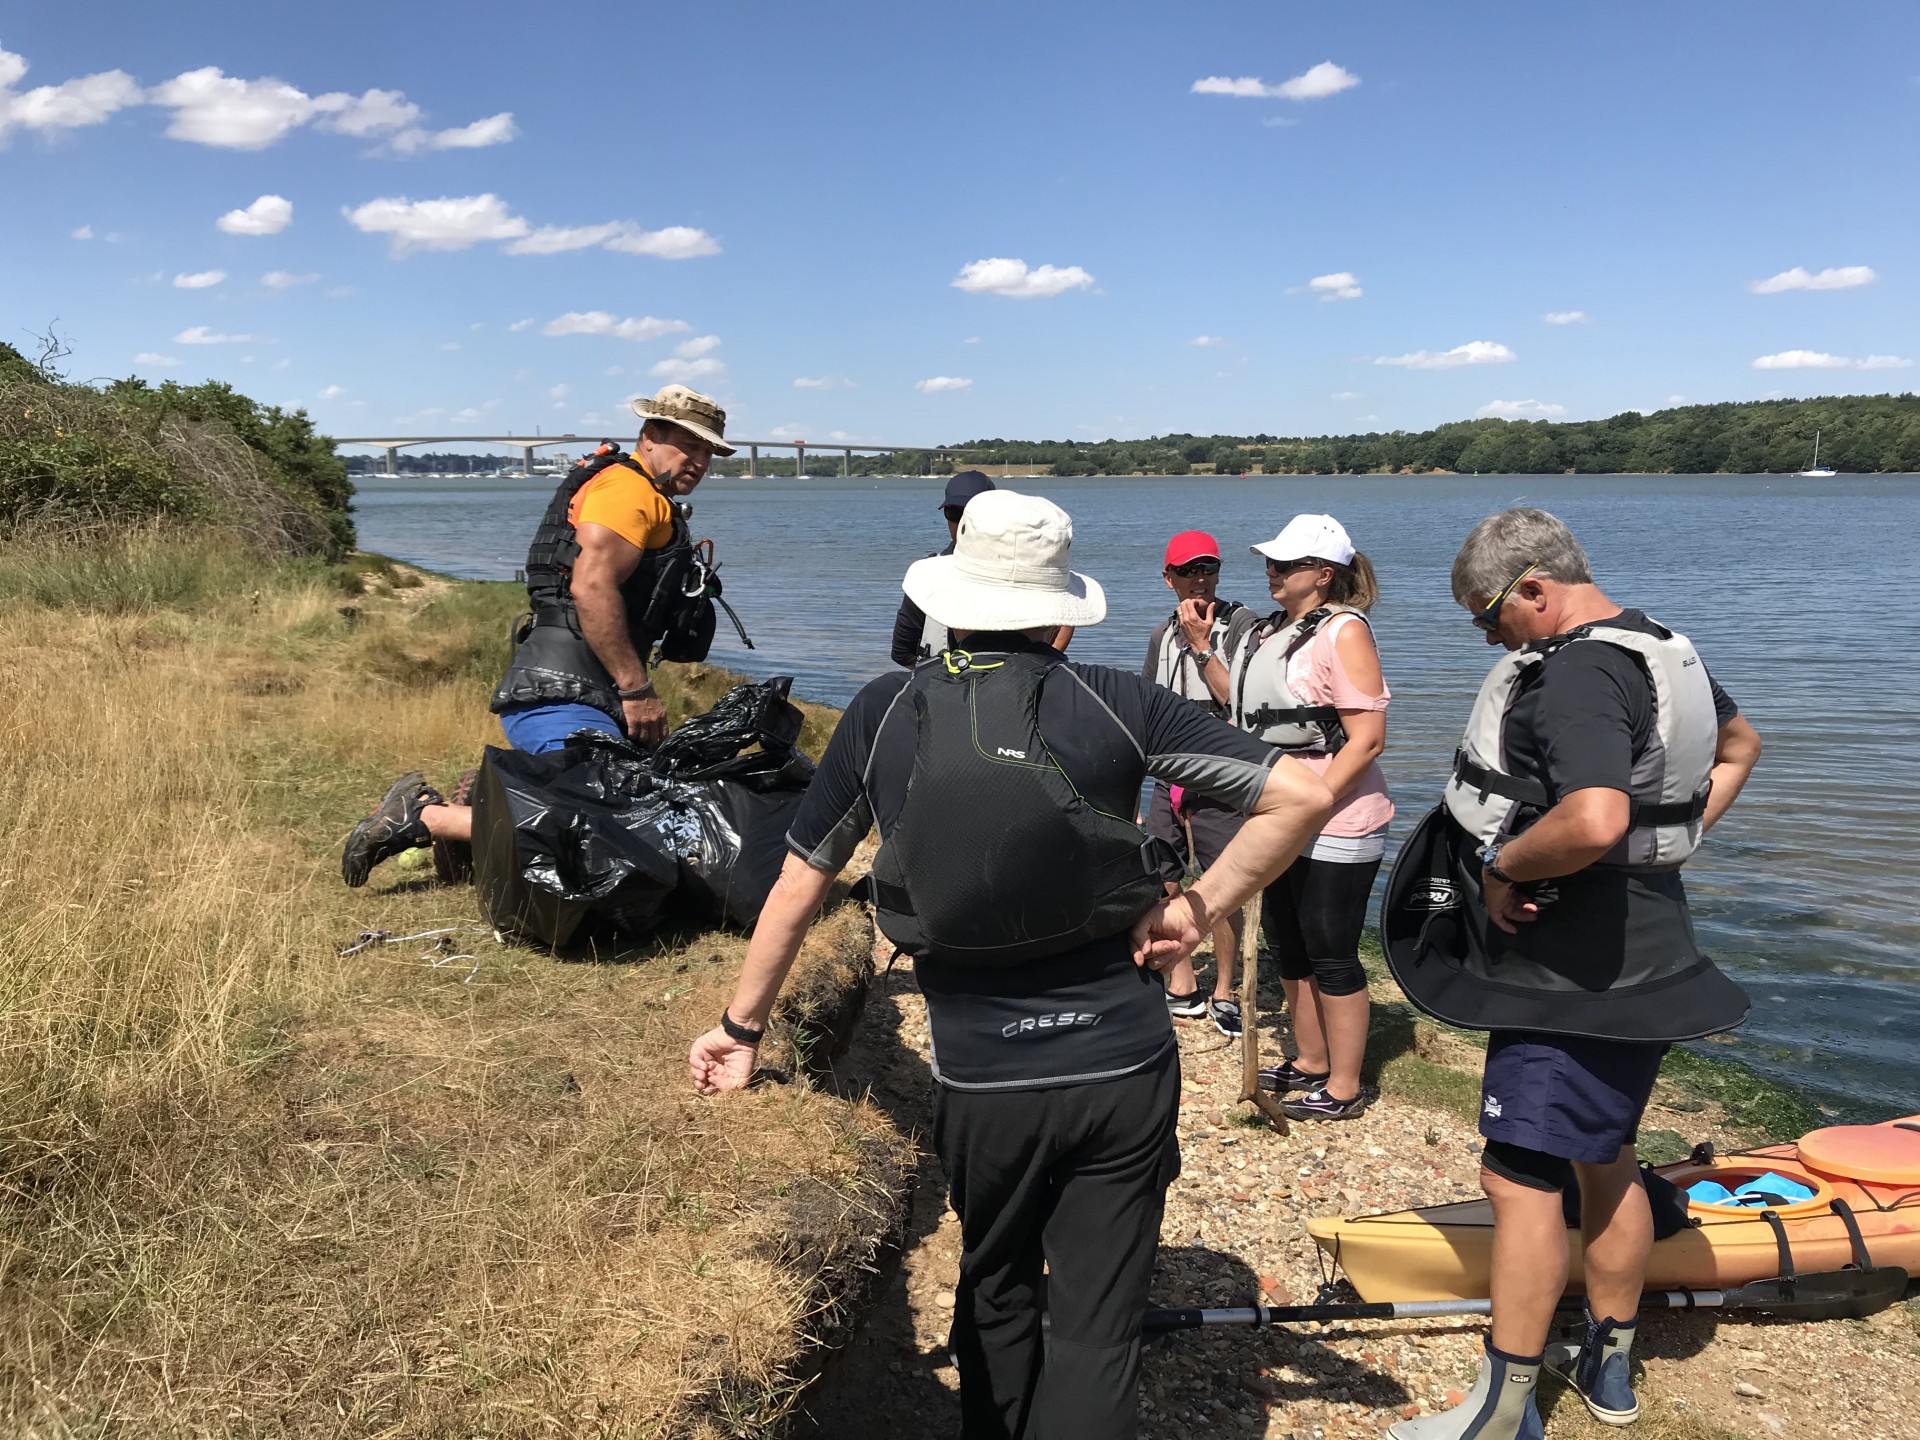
x: 1444, y: 1252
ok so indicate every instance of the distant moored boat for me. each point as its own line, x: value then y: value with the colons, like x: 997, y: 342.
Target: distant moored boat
x: 1817, y: 471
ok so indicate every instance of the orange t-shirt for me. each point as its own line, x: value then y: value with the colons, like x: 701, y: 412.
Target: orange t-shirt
x: 622, y: 497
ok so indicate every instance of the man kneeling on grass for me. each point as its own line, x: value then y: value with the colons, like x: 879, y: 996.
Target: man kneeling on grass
x: 602, y: 575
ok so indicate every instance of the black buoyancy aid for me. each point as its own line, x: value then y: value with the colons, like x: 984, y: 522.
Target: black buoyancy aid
x: 1259, y: 662
x: 669, y: 603
x: 996, y: 857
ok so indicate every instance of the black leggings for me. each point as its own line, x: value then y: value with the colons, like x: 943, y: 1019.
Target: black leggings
x: 1313, y: 915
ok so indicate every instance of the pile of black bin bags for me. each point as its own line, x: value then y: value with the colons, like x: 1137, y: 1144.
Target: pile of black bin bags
x: 603, y: 837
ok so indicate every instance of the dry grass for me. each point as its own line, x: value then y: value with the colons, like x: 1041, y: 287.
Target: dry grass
x: 250, y: 1187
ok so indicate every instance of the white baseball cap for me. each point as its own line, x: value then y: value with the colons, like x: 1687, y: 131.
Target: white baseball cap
x: 1318, y: 536
x: 1008, y: 570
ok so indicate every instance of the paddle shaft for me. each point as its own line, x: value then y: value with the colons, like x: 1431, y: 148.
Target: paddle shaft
x: 1760, y: 1295
x: 1250, y: 1018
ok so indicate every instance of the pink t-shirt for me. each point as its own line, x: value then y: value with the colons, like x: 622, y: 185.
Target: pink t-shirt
x: 1315, y: 674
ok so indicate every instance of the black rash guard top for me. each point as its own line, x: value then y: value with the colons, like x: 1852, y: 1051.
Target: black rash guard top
x: 1090, y: 1013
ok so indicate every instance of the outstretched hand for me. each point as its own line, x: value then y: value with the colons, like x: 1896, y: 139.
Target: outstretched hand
x: 720, y: 1062
x: 1166, y: 934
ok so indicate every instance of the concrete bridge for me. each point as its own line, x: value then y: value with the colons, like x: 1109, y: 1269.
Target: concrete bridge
x: 394, y: 444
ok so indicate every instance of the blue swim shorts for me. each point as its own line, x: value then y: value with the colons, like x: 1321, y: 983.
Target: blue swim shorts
x: 537, y: 729
x: 1561, y: 1095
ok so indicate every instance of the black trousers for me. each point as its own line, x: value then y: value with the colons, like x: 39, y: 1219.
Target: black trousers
x: 1075, y: 1178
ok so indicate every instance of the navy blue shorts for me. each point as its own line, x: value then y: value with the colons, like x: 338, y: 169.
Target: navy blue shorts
x: 1574, y: 1098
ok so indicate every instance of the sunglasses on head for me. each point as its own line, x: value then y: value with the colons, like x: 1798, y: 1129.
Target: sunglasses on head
x: 1489, y: 618
x: 1196, y: 567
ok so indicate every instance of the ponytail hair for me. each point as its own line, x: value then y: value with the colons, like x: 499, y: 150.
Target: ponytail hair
x: 1354, y: 584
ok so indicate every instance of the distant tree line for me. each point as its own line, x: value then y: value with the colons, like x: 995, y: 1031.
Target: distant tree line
x: 1865, y: 433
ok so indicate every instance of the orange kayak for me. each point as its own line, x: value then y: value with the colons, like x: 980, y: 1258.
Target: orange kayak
x: 1444, y: 1252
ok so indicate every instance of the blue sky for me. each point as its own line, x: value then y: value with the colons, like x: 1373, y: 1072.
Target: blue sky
x: 1238, y: 217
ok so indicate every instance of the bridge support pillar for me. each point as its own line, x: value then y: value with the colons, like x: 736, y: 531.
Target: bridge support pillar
x: 799, y: 462
x: 846, y: 463
x: 753, y: 462
x: 393, y: 459
x: 526, y: 458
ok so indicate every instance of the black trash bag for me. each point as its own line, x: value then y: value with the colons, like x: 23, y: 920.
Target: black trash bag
x: 602, y: 836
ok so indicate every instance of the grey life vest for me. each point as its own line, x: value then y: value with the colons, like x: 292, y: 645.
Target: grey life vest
x: 1259, y: 699
x: 996, y: 857
x: 1174, y: 667
x: 1670, y: 776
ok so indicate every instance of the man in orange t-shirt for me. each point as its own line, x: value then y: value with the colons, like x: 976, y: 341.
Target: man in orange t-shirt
x: 583, y: 577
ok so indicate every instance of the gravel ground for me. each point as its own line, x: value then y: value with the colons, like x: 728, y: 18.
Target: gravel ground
x: 1233, y: 1229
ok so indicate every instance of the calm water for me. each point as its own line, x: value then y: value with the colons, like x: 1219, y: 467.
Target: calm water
x: 1806, y: 893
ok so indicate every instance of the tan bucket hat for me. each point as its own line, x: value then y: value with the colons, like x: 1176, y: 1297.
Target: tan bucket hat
x: 690, y: 410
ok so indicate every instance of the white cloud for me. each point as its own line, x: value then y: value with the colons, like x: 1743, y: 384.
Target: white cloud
x: 201, y: 335
x: 517, y: 326
x: 199, y: 280
x: 333, y: 392
x: 1013, y: 278
x: 449, y: 344
x: 286, y: 279
x: 212, y: 108
x: 599, y: 322
x: 559, y: 392
x: 378, y: 112
x: 1317, y: 83
x: 147, y: 360
x: 494, y: 130
x: 85, y: 232
x: 1843, y: 277
x: 1208, y: 340
x: 283, y: 364
x: 1520, y: 410
x: 451, y: 223
x: 1820, y: 360
x: 942, y: 382
x: 1474, y: 352
x: 1565, y: 317
x: 824, y: 382
x: 613, y: 370
x: 971, y: 340
x: 1344, y: 395
x: 700, y: 345
x: 268, y: 215
x: 675, y: 242
x: 85, y: 100
x: 686, y: 371
x: 593, y: 417
x: 1341, y: 285
x: 473, y: 414
x: 556, y: 239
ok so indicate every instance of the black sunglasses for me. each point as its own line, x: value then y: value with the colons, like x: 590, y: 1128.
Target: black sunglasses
x: 1196, y: 567
x: 1489, y: 618
x: 1287, y: 567
x: 953, y: 513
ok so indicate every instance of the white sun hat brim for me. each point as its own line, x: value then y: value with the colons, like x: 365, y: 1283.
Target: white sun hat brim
x: 951, y: 597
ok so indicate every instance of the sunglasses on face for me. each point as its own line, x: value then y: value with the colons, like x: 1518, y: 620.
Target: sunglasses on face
x: 1195, y: 567
x: 1287, y: 567
x: 1489, y: 618
x: 953, y: 513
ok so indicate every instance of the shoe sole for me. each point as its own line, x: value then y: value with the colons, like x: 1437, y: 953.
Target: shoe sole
x: 359, y: 830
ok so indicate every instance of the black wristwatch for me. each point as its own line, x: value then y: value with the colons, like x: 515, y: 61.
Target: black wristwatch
x: 1490, y: 862
x: 639, y: 692
x: 736, y: 1031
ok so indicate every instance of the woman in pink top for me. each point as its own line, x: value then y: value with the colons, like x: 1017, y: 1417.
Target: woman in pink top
x: 1308, y: 681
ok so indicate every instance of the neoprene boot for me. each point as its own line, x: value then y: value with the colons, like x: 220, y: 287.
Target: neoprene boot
x: 1499, y: 1407
x: 1598, y: 1367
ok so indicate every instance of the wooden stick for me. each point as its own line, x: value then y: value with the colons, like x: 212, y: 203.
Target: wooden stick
x: 1250, y: 1018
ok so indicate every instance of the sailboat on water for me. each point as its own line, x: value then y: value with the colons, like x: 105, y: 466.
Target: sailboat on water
x: 1817, y: 471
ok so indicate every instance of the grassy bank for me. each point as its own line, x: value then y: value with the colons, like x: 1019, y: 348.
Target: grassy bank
x: 441, y: 1187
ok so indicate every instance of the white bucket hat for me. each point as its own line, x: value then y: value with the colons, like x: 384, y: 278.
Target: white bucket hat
x: 1008, y: 570
x: 1320, y: 536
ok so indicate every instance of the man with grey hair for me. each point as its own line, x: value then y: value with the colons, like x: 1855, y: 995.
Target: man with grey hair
x: 1598, y: 752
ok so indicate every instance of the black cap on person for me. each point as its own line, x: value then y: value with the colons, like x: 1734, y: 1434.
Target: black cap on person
x: 964, y: 486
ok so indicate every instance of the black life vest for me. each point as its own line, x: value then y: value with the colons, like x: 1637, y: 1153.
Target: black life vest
x: 669, y: 601
x: 996, y: 858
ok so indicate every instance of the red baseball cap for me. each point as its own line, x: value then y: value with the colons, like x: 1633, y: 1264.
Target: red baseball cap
x: 1192, y: 545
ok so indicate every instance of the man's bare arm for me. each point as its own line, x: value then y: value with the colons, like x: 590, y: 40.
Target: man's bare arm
x: 607, y: 560
x: 1736, y: 751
